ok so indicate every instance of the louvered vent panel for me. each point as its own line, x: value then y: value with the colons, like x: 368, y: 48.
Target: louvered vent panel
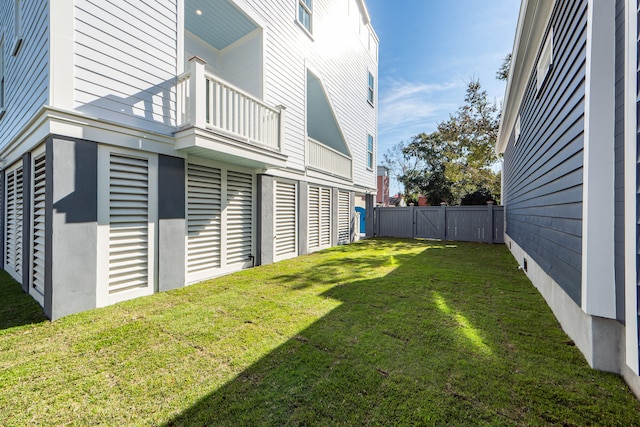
x: 204, y: 206
x: 325, y: 217
x: 10, y: 220
x: 344, y: 218
x: 13, y: 225
x: 128, y: 223
x: 239, y: 217
x: 19, y: 215
x: 37, y: 268
x: 285, y: 219
x: 314, y: 217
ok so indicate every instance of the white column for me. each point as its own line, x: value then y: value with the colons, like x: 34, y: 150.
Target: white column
x: 598, y: 277
x: 197, y: 93
x: 280, y: 135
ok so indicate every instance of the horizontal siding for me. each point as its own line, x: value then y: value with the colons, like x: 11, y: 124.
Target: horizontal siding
x: 27, y: 73
x: 241, y: 64
x: 341, y: 61
x: 126, y: 61
x: 543, y: 171
x: 126, y: 64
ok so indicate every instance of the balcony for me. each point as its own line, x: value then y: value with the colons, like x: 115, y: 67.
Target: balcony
x: 221, y: 121
x: 325, y: 159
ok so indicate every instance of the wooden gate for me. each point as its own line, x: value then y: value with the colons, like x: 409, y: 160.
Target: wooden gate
x: 458, y: 223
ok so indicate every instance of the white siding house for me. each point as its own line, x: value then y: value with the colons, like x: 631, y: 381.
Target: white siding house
x: 569, y: 136
x: 148, y: 145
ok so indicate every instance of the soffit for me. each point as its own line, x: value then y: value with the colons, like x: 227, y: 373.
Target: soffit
x: 217, y: 22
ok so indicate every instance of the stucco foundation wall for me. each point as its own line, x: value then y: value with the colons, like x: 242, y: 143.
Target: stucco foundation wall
x: 171, y: 223
x: 71, y: 226
x: 600, y: 340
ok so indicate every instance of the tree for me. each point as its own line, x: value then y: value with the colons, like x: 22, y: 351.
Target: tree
x: 430, y: 181
x: 471, y: 133
x: 478, y: 197
x: 473, y: 129
x: 400, y: 164
x: 420, y: 166
x: 503, y: 71
x: 456, y: 162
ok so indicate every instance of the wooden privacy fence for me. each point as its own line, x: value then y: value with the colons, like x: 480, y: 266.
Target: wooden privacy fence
x: 461, y: 223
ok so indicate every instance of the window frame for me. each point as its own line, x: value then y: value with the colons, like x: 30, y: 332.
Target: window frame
x: 544, y: 64
x: 371, y: 91
x: 306, y: 7
x: 17, y: 23
x: 370, y: 150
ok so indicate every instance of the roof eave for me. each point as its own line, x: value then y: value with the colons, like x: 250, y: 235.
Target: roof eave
x: 367, y: 18
x: 532, y: 23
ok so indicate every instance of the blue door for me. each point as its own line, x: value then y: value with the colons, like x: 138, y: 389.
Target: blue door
x: 363, y: 226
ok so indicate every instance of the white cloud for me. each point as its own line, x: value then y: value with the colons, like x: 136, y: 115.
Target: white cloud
x: 396, y: 89
x: 404, y: 104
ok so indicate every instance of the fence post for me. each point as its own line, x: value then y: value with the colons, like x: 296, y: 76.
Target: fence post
x: 489, y: 231
x: 412, y: 212
x: 369, y: 215
x: 376, y: 221
x: 443, y: 221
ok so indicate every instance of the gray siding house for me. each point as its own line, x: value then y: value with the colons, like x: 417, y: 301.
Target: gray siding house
x: 145, y: 146
x: 569, y: 140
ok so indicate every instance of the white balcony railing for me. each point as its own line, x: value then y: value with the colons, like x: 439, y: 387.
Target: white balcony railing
x: 326, y: 159
x: 207, y: 101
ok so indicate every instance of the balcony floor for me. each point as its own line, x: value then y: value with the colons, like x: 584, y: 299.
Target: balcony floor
x: 212, y: 145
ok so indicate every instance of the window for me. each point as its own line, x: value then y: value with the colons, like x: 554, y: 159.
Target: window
x: 517, y: 130
x: 304, y: 13
x: 369, y: 152
x: 371, y: 93
x: 545, y: 61
x: 17, y: 27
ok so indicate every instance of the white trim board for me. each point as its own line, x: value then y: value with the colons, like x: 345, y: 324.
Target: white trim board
x: 56, y: 121
x: 103, y: 296
x: 630, y: 188
x: 598, y: 214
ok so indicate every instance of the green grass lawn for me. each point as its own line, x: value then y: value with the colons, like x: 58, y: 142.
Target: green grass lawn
x: 382, y: 332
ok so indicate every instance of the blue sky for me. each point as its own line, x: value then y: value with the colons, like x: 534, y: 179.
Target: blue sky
x: 429, y: 50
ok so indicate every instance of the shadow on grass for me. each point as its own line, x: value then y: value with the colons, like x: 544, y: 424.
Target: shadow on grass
x: 329, y: 372
x: 16, y: 307
x: 329, y: 272
x: 427, y: 344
